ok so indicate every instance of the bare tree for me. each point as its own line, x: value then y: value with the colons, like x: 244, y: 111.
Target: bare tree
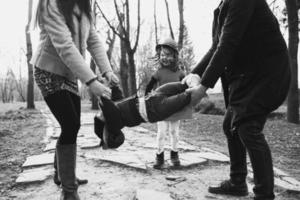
x: 124, y: 67
x: 7, y: 87
x: 155, y: 23
x: 94, y: 99
x: 169, y: 20
x: 20, y: 87
x: 293, y: 96
x: 124, y: 33
x: 181, y: 25
x: 110, y: 41
x: 30, y: 86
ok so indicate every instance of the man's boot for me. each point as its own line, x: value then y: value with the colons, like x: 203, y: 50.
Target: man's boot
x: 56, y: 179
x: 66, y: 160
x: 159, y: 161
x: 175, y: 159
x: 229, y: 188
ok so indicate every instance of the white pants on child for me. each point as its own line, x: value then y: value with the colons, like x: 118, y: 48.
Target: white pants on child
x: 172, y: 129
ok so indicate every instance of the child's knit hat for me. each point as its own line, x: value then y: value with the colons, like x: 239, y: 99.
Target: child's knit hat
x: 168, y: 42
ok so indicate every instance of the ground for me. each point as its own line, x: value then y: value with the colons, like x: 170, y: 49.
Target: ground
x: 21, y: 131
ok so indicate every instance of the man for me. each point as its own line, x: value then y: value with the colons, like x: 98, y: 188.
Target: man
x: 250, y: 55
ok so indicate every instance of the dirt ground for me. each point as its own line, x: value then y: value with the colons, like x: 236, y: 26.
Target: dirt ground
x: 21, y: 131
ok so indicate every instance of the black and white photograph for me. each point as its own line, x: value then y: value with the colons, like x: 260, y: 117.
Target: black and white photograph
x: 149, y: 100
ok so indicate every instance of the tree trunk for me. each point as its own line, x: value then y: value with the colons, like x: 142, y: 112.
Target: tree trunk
x: 181, y: 25
x: 127, y: 64
x: 293, y: 96
x: 30, y: 86
x: 110, y: 41
x: 155, y: 23
x: 124, y: 71
x: 132, y: 72
x: 169, y: 20
x: 94, y: 98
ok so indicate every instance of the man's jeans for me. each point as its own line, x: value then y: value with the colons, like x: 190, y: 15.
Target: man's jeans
x: 247, y: 135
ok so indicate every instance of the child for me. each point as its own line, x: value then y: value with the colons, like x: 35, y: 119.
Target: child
x: 168, y: 71
x: 132, y: 111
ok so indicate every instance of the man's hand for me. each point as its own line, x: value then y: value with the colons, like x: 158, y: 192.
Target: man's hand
x: 197, y: 93
x: 191, y: 80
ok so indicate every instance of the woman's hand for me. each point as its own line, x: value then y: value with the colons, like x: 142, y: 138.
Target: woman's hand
x: 111, y: 78
x: 197, y: 93
x: 100, y: 90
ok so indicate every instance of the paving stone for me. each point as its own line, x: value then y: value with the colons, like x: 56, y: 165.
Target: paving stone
x: 147, y: 156
x: 87, y: 123
x: 119, y: 157
x: 89, y: 143
x: 214, y: 156
x: 182, y: 146
x: 190, y: 159
x: 279, y: 172
x: 37, y: 160
x: 51, y: 146
x: 49, y: 130
x: 87, y: 131
x: 87, y: 118
x: 292, y: 181
x: 149, y: 140
x: 140, y: 129
x: 35, y: 175
x: 281, y: 183
x: 174, y: 180
x: 286, y: 185
x: 146, y: 194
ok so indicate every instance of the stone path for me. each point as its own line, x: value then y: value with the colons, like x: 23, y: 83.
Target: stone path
x: 134, y: 157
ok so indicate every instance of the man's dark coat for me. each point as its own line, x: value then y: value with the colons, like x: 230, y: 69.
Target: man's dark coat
x: 250, y: 55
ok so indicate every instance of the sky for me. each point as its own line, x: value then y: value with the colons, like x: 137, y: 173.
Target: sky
x: 13, y: 18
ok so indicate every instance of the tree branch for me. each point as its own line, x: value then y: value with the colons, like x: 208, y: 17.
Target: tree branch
x: 127, y: 19
x: 155, y: 22
x: 108, y: 23
x: 138, y: 27
x: 120, y: 21
x: 169, y: 20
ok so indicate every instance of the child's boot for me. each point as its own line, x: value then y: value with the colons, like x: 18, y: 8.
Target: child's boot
x: 175, y: 158
x: 159, y: 161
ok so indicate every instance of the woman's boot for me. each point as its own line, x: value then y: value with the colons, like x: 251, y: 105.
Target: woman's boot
x: 56, y: 179
x: 66, y: 160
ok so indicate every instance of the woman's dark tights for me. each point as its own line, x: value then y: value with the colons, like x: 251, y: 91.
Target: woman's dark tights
x: 66, y: 108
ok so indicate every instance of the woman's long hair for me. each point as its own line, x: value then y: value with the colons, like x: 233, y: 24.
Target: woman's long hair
x: 66, y: 7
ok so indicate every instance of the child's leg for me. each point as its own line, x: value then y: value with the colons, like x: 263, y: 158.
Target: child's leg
x: 174, y: 134
x: 162, y: 128
x: 170, y: 89
x: 172, y: 104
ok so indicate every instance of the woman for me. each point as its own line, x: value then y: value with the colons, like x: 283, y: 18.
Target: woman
x: 66, y: 31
